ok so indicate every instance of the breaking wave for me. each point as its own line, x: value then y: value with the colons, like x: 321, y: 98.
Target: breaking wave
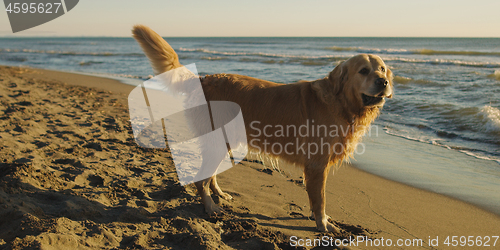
x: 69, y: 53
x: 262, y: 54
x: 491, y: 119
x: 495, y: 75
x: 415, y: 51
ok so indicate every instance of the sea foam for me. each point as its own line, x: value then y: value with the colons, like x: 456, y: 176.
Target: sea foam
x: 495, y: 75
x: 491, y: 116
x: 415, y: 51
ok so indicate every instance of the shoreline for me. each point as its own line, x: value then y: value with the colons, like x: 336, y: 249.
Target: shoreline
x: 433, y: 168
x: 89, y: 162
x: 103, y: 82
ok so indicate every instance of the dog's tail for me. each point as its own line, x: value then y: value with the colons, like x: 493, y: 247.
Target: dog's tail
x: 162, y: 57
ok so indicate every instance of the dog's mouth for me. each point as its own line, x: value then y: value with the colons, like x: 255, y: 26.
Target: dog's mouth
x: 372, y: 100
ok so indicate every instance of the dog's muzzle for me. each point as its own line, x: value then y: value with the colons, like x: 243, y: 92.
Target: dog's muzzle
x: 381, y: 89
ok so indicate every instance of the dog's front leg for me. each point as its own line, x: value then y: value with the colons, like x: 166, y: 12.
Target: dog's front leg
x: 315, y: 177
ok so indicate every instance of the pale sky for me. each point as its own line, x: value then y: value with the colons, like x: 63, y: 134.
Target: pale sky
x: 361, y: 18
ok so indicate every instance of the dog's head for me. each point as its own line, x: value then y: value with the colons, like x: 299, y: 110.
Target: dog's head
x: 364, y: 80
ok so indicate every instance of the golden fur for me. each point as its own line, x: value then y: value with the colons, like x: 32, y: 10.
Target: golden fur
x: 344, y: 103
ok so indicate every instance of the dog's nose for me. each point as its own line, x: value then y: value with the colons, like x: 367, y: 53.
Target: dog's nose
x: 382, y: 82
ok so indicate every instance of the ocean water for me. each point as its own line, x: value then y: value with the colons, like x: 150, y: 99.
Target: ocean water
x: 447, y: 90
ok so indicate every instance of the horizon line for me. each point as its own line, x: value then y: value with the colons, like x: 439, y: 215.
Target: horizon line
x: 49, y: 36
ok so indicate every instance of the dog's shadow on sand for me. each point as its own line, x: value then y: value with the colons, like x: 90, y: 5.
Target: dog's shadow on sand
x: 263, y: 218
x: 346, y: 229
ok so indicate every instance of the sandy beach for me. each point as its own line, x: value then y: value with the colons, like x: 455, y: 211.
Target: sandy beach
x: 72, y: 177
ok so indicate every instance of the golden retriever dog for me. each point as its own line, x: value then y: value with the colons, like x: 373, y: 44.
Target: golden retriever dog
x: 312, y: 124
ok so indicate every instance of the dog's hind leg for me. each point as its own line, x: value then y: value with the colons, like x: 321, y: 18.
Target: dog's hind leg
x: 315, y: 177
x: 216, y: 189
x: 206, y: 199
x: 211, y: 159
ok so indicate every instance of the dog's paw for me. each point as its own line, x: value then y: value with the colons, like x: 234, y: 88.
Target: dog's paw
x: 332, y: 228
x: 328, y: 227
x: 214, y: 210
x: 226, y: 196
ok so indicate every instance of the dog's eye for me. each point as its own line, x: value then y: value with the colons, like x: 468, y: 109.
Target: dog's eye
x: 364, y: 71
x: 383, y: 69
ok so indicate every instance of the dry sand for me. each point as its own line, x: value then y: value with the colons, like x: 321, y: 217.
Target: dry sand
x: 72, y: 177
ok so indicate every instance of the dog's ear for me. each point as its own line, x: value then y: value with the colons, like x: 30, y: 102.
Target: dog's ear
x: 390, y: 77
x: 338, y: 77
x: 330, y: 86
